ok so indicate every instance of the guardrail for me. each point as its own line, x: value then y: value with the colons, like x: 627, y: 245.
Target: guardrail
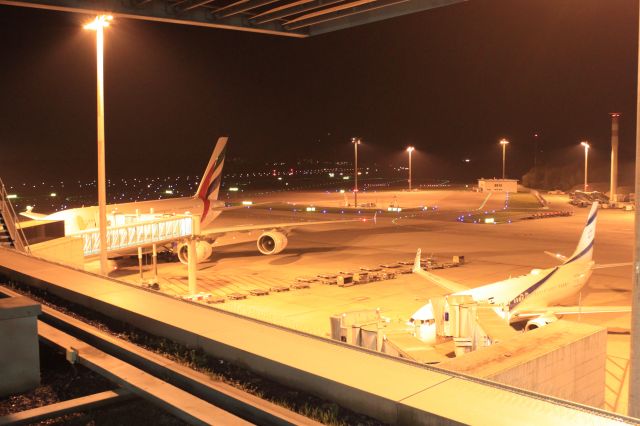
x: 138, y: 234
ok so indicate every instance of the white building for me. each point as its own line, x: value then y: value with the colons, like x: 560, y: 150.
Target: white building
x: 498, y: 185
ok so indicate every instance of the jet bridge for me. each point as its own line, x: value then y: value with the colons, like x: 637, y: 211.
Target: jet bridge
x: 133, y: 232
x: 139, y: 231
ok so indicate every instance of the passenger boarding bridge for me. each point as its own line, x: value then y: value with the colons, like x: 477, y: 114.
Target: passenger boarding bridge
x: 129, y: 234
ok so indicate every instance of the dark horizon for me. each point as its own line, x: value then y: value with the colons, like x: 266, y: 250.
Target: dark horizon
x: 451, y: 82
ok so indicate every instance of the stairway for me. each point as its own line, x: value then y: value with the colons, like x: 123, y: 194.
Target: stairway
x: 11, y: 235
x: 5, y: 238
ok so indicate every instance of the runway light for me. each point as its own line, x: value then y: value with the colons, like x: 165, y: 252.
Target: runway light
x: 489, y: 220
x: 342, y: 191
x: 311, y: 209
x: 247, y: 203
x: 233, y: 189
x: 168, y: 191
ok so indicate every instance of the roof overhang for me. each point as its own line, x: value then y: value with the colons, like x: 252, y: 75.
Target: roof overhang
x: 293, y: 18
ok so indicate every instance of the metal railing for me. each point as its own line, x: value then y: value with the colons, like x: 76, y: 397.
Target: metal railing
x: 137, y: 234
x: 10, y: 220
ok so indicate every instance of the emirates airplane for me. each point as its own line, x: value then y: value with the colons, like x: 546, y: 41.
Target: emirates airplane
x: 533, y: 297
x: 204, y: 202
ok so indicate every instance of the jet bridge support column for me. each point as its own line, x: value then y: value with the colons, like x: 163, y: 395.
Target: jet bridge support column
x: 192, y: 263
x: 154, y: 257
x: 193, y: 256
x: 140, y: 264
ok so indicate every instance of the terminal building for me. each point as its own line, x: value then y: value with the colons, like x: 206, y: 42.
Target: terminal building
x: 498, y: 185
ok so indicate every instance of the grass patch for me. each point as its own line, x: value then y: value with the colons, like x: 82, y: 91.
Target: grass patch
x: 523, y: 200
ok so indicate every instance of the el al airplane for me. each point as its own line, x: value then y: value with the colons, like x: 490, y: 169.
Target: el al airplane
x: 533, y: 297
x: 204, y: 203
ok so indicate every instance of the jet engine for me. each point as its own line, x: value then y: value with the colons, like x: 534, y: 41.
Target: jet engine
x: 203, y: 251
x: 272, y: 242
x: 541, y: 321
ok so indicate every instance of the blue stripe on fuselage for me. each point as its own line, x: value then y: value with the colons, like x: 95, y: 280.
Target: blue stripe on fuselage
x: 592, y: 218
x: 519, y: 298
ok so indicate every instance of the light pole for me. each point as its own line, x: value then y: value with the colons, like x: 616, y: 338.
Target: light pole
x: 634, y: 357
x: 410, y: 150
x: 98, y: 25
x: 586, y: 162
x: 504, y: 144
x: 355, y: 142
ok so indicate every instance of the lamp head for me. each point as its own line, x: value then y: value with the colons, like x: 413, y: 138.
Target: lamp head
x: 355, y: 141
x: 585, y: 144
x: 100, y: 21
x: 410, y: 149
x: 504, y: 141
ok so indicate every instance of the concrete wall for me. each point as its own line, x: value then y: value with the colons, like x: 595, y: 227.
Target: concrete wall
x: 563, y: 359
x: 67, y: 250
x: 19, y: 350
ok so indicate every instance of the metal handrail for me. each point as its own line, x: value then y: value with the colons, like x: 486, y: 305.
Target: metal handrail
x: 16, y: 232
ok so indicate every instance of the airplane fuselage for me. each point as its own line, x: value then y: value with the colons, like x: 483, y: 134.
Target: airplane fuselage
x: 539, y: 289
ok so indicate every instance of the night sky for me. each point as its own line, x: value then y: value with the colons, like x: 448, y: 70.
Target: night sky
x: 451, y: 81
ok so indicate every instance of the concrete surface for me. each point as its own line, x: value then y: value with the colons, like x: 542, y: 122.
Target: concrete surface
x: 19, y: 350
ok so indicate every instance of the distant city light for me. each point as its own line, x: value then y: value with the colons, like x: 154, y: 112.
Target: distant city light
x: 311, y: 209
x: 345, y: 177
x: 168, y: 191
x: 233, y: 189
x: 12, y: 196
x: 53, y: 194
x: 332, y: 174
x: 247, y: 203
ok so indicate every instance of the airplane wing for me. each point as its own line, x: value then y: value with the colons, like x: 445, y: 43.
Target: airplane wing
x: 444, y: 283
x: 33, y: 216
x: 557, y: 256
x: 574, y: 310
x: 268, y: 226
x: 611, y: 265
x: 562, y: 258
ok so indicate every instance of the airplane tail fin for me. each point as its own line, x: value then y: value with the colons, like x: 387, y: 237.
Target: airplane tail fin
x: 416, y: 263
x: 584, y: 251
x: 212, y: 177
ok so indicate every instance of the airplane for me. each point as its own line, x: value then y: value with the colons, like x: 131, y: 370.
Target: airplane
x: 533, y: 297
x: 204, y: 202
